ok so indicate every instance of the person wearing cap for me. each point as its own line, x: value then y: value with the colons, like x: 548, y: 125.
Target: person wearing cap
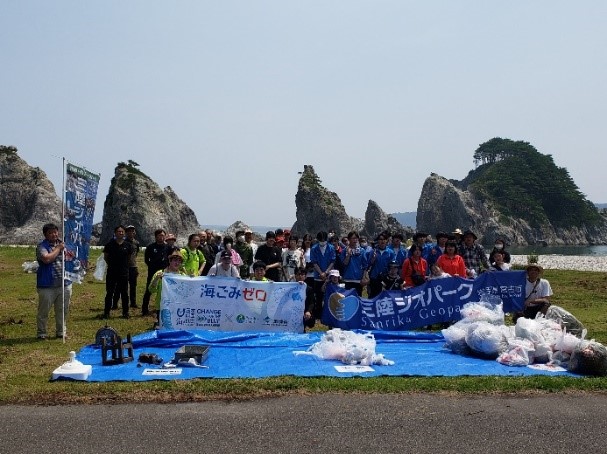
x: 473, y: 254
x: 393, y: 280
x: 170, y: 240
x: 228, y: 245
x: 155, y: 257
x: 225, y: 267
x: 133, y: 270
x: 193, y: 258
x: 271, y: 255
x: 537, y: 293
x: 332, y: 281
x: 175, y: 262
x: 259, y: 272
x: 457, y: 235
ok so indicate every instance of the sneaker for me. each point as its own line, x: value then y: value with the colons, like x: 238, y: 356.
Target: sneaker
x: 105, y: 316
x: 59, y: 336
x: 42, y: 338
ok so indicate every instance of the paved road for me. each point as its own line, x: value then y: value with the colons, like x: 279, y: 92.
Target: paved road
x: 326, y: 422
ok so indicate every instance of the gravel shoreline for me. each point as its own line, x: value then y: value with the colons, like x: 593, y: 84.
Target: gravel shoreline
x: 566, y: 262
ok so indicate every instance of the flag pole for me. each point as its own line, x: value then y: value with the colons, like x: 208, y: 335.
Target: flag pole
x: 63, y: 252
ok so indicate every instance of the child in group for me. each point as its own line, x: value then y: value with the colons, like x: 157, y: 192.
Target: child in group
x: 393, y: 281
x: 436, y: 272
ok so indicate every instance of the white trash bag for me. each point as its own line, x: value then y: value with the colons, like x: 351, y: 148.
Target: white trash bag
x: 100, y: 268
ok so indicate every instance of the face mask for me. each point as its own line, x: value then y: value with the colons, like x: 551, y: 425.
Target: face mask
x: 240, y: 238
x: 499, y: 246
x: 363, y: 244
x: 322, y: 243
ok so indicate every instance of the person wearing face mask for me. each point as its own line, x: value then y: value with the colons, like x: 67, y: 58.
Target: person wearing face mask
x: 499, y: 246
x: 245, y: 251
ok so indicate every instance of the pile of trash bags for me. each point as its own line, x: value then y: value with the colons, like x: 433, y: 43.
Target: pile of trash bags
x: 557, y: 338
x: 348, y: 347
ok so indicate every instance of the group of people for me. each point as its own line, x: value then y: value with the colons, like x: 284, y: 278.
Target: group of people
x: 368, y: 267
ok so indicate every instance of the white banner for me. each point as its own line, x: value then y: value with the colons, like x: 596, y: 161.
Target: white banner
x: 230, y: 304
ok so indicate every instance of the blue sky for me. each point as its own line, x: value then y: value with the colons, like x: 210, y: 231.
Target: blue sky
x: 227, y: 101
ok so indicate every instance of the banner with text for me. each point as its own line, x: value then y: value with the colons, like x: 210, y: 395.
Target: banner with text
x: 436, y: 301
x: 230, y: 304
x: 80, y: 196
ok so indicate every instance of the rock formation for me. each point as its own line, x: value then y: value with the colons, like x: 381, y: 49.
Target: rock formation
x: 444, y: 206
x: 28, y: 200
x: 133, y: 198
x: 320, y: 209
x: 377, y: 221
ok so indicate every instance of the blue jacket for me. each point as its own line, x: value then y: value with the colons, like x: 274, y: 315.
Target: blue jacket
x: 353, y: 271
x: 379, y: 266
x: 322, y: 260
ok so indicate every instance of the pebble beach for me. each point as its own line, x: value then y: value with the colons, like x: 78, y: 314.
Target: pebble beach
x: 566, y: 262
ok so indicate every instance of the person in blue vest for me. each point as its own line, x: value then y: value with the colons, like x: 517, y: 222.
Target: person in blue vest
x: 378, y: 260
x: 322, y: 257
x: 53, y: 290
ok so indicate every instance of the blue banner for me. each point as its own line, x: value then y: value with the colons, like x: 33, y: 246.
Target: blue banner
x: 436, y: 301
x: 80, y: 196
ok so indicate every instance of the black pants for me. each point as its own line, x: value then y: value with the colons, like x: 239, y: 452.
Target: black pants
x: 116, y: 283
x: 356, y: 286
x: 319, y: 299
x: 375, y: 287
x: 133, y: 273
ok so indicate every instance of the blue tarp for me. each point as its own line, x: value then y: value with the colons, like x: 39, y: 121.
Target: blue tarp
x: 263, y: 354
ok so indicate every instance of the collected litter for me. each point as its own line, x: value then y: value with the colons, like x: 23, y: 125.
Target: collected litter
x: 30, y: 267
x: 348, y: 347
x: 557, y: 339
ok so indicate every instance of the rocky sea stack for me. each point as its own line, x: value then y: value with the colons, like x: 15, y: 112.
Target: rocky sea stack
x: 28, y: 199
x: 320, y: 209
x: 134, y: 198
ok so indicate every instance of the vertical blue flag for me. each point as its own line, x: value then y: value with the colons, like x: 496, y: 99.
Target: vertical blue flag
x: 80, y: 196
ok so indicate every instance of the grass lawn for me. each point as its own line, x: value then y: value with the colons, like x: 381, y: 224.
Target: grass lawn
x: 26, y: 364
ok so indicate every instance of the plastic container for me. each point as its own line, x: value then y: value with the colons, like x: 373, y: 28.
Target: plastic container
x: 73, y: 369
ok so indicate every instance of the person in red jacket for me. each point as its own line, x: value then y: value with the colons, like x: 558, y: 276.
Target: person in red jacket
x: 450, y: 262
x: 415, y: 267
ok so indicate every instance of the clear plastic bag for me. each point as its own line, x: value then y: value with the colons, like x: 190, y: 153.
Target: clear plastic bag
x: 589, y: 358
x: 455, y: 338
x: 30, y: 267
x: 566, y: 320
x: 483, y: 311
x: 347, y: 347
x: 100, y: 268
x: 487, y: 340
